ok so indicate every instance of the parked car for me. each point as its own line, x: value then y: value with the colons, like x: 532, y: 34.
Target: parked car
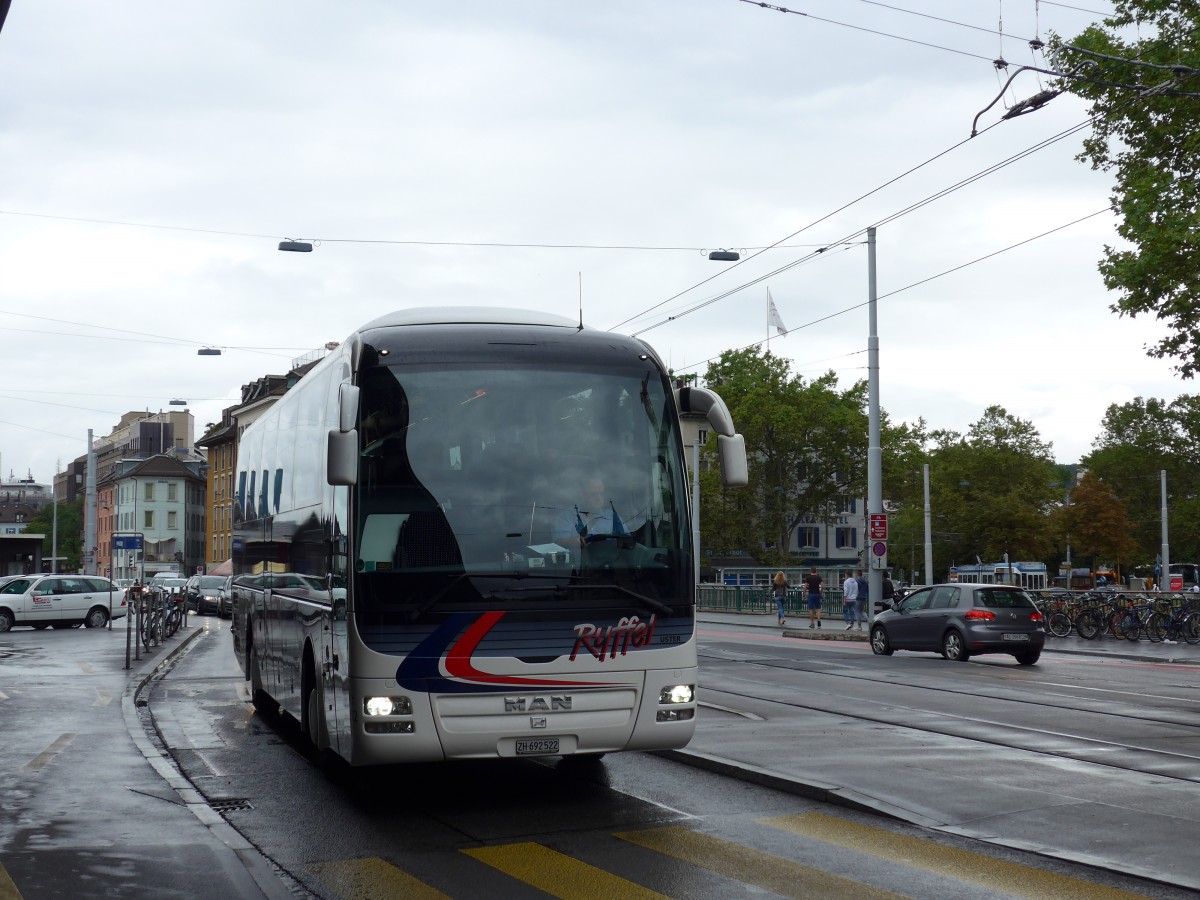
x: 203, y: 594
x: 225, y: 598
x: 172, y: 584
x: 61, y: 601
x: 963, y: 620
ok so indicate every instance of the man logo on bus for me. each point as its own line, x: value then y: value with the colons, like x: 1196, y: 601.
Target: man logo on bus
x: 536, y: 704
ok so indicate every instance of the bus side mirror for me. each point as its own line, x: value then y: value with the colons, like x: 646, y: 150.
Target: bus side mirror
x: 731, y: 446
x: 732, y: 450
x: 341, y: 457
x: 347, y: 407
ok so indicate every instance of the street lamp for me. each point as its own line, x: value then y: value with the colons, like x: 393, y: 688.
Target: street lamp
x: 297, y: 246
x: 177, y: 403
x: 208, y: 351
x: 1066, y: 486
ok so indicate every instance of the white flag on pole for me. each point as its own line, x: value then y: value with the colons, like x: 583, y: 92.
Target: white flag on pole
x: 773, y: 315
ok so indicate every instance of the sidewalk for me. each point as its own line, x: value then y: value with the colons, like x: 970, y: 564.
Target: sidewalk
x: 1136, y: 825
x: 233, y: 867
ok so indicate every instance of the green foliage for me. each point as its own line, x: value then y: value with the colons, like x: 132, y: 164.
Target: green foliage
x: 1146, y: 128
x: 1139, y: 440
x: 991, y: 492
x: 806, y: 442
x: 1096, y: 522
x: 70, y: 532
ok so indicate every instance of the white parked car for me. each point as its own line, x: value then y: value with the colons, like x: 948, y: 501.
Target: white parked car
x: 60, y: 600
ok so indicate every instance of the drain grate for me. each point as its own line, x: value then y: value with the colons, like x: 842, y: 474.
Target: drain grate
x: 229, y: 804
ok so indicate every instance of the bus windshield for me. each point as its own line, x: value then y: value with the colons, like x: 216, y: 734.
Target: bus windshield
x: 515, y: 486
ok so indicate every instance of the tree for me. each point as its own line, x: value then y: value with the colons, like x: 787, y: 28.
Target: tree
x: 70, y: 532
x: 991, y: 492
x: 806, y: 445
x: 1139, y: 440
x: 1144, y: 90
x: 1097, y: 523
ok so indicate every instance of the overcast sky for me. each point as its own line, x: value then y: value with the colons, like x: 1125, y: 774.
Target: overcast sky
x: 405, y: 135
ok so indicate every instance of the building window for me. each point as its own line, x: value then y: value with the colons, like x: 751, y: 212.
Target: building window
x: 171, y: 492
x: 847, y: 538
x: 148, y: 521
x: 847, y: 506
x: 808, y: 536
x: 149, y: 490
x: 172, y: 520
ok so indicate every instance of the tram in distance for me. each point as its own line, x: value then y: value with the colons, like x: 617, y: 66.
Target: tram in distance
x: 465, y: 533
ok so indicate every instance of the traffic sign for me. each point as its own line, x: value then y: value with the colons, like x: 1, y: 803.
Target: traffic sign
x: 127, y: 542
x: 879, y: 526
x: 879, y: 555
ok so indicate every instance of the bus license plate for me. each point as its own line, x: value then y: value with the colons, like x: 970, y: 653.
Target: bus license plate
x: 526, y: 747
x: 1016, y: 637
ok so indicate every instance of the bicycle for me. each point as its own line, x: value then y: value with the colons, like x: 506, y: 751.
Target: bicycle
x: 1093, y: 618
x: 1059, y: 614
x: 152, y: 631
x: 172, y: 614
x: 1128, y: 621
x: 1180, y: 624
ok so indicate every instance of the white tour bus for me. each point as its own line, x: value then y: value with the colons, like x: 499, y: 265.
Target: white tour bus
x: 466, y: 533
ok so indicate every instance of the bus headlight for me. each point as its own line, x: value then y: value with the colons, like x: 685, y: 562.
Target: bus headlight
x: 677, y: 693
x: 386, y: 706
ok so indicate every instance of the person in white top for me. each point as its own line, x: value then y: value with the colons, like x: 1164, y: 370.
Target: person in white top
x: 850, y: 600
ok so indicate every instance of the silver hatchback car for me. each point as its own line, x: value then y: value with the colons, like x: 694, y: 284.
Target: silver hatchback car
x: 962, y: 620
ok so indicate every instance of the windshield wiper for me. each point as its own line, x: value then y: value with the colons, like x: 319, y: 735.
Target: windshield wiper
x: 419, y: 611
x: 648, y: 602
x: 433, y: 601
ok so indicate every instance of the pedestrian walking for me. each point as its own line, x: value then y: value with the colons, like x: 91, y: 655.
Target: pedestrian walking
x: 864, y: 596
x: 813, y: 585
x: 779, y: 589
x: 849, y: 600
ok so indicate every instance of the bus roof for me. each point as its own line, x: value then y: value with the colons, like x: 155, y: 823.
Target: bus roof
x: 468, y: 315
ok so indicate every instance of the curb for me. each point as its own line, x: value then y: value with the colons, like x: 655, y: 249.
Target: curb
x: 259, y: 869
x: 833, y: 794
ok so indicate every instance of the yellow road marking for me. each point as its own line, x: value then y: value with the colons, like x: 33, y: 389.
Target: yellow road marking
x: 929, y: 856
x: 749, y: 866
x: 87, y: 668
x: 372, y: 879
x: 47, y: 755
x: 560, y: 875
x: 8, y: 890
x: 103, y: 697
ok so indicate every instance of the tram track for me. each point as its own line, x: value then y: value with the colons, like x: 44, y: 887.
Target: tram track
x: 1003, y: 732
x: 1186, y: 718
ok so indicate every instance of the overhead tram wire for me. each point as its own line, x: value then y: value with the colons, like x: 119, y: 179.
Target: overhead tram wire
x: 1041, y: 145
x: 800, y: 231
x: 796, y: 12
x: 846, y: 206
x: 862, y: 231
x: 848, y: 309
x: 416, y: 243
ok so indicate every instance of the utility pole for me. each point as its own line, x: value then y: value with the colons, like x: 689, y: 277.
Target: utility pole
x: 91, y: 551
x: 876, y: 562
x: 928, y: 533
x: 1164, y: 580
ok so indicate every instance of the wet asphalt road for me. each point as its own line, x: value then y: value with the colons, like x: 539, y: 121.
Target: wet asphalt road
x: 95, y: 804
